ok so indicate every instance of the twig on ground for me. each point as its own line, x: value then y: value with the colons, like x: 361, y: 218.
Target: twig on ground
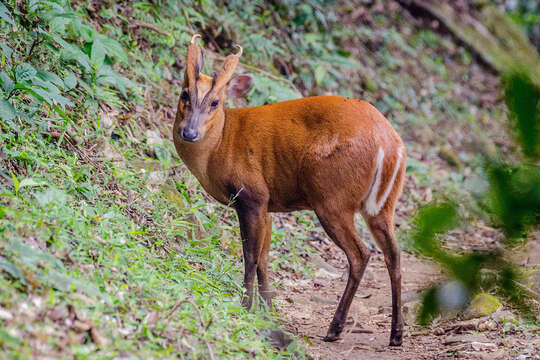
x: 530, y: 292
x: 150, y: 26
x: 36, y: 42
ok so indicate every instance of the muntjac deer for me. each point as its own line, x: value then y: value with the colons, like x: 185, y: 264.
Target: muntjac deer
x: 333, y: 155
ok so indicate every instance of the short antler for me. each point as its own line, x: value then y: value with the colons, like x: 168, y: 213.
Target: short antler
x: 194, y: 38
x: 227, y: 69
x: 240, y: 51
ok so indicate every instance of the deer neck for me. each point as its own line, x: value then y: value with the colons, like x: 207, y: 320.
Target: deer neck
x: 197, y: 155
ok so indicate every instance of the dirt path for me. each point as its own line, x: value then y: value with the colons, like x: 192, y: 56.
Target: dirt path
x: 309, y: 304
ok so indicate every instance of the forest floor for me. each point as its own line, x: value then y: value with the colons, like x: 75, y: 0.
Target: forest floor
x: 307, y: 306
x: 136, y: 245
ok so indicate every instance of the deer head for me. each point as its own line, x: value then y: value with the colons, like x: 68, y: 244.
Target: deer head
x: 201, y: 101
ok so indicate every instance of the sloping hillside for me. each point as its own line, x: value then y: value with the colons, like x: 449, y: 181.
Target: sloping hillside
x: 109, y: 247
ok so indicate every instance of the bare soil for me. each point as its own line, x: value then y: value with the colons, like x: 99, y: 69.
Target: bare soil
x: 309, y: 304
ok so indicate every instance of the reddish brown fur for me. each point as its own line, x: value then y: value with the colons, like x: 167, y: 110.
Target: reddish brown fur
x: 315, y: 153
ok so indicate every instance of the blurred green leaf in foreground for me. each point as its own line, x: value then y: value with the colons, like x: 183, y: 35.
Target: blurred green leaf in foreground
x: 512, y: 202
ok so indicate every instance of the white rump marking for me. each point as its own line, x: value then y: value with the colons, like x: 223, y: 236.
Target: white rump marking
x: 371, y: 206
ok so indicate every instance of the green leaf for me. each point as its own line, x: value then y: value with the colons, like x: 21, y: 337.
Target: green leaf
x: 5, y: 14
x: 68, y: 52
x: 51, y: 95
x: 7, y: 111
x: 25, y: 72
x: 113, y: 48
x: 51, y: 196
x: 107, y: 76
x: 58, y: 21
x: 38, y: 94
x: 523, y: 99
x: 7, y: 83
x: 70, y: 81
x: 48, y: 76
x: 6, y: 50
x: 31, y: 182
x: 11, y: 268
x: 98, y: 53
x: 15, y: 183
x: 320, y: 73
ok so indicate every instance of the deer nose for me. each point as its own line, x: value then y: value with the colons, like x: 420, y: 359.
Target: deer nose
x: 189, y: 134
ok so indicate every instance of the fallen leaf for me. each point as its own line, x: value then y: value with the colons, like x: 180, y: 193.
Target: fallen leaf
x: 96, y: 337
x: 81, y: 326
x: 151, y: 318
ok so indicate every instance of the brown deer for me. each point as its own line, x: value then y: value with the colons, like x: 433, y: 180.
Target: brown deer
x: 333, y: 155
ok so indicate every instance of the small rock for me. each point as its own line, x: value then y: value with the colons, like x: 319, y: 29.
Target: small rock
x: 319, y: 261
x: 501, y: 316
x: 452, y: 295
x: 325, y: 274
x: 112, y: 154
x: 153, y: 138
x: 277, y: 338
x: 363, y: 295
x: 438, y: 331
x: 58, y: 313
x: 108, y: 119
x: 477, y: 346
x: 483, y: 304
x: 466, y: 338
x: 410, y: 311
x: 155, y: 179
x: 489, y: 325
x: 5, y: 315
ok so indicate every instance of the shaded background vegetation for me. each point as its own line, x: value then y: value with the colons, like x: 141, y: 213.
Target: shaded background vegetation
x: 108, y: 246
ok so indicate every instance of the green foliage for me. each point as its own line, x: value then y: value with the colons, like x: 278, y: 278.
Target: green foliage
x: 512, y: 201
x: 526, y: 13
x: 523, y: 101
x: 81, y: 230
x: 84, y: 58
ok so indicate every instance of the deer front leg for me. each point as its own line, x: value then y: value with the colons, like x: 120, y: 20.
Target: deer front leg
x: 252, y: 215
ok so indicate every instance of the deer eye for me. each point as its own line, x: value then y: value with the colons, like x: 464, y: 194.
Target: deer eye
x: 184, y: 96
x: 214, y: 103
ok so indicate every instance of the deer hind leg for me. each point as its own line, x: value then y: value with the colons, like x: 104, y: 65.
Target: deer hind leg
x: 262, y: 267
x: 340, y: 228
x: 381, y: 226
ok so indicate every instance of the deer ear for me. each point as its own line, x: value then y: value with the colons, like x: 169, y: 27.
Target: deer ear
x: 239, y: 86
